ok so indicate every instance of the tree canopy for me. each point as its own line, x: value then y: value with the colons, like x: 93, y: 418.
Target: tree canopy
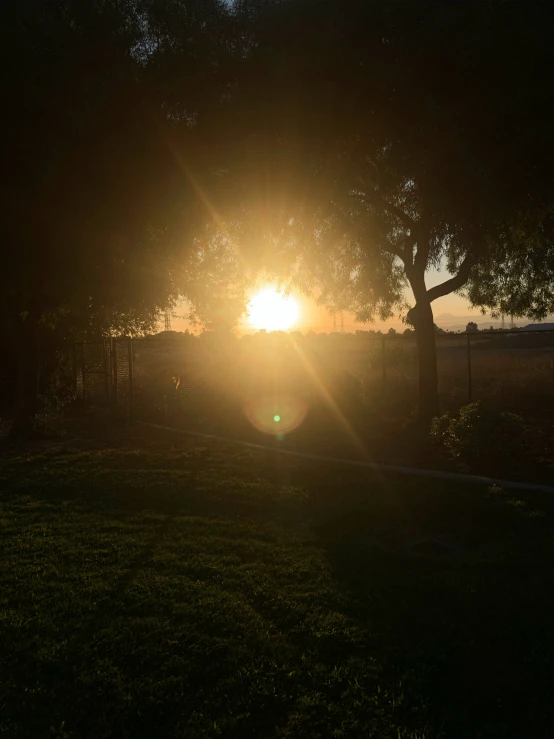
x: 390, y: 113
x: 99, y: 202
x: 399, y: 136
x: 166, y: 148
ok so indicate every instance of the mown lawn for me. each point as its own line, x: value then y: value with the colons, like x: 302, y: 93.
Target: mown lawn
x: 204, y: 591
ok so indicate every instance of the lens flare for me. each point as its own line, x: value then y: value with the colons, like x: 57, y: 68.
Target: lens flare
x: 276, y: 416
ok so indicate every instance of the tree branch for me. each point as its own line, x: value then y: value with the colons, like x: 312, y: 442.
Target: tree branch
x: 398, y: 212
x: 419, y: 234
x: 423, y: 239
x: 454, y: 283
x: 397, y: 253
x: 406, y: 252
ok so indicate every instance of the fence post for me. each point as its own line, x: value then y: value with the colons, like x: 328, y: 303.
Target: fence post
x: 106, y: 368
x: 383, y: 358
x: 130, y: 363
x: 83, y: 372
x: 74, y: 370
x: 469, y: 378
x: 114, y: 371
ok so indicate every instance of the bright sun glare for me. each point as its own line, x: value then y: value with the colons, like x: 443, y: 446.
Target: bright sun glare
x: 272, y: 311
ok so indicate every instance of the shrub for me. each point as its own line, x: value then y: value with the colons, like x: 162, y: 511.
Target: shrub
x: 480, y: 433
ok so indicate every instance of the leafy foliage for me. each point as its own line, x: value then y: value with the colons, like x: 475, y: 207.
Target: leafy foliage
x: 165, y: 149
x: 517, y: 276
x: 102, y: 203
x: 360, y: 174
x: 480, y: 433
x: 400, y: 136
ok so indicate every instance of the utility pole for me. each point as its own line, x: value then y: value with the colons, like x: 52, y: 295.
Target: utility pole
x: 167, y: 321
x: 341, y: 323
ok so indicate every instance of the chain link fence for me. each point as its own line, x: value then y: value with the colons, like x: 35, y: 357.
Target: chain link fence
x: 207, y: 380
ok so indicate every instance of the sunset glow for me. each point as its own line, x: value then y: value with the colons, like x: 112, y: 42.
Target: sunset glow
x: 272, y: 311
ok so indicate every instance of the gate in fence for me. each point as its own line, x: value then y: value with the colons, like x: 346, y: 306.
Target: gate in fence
x: 103, y: 372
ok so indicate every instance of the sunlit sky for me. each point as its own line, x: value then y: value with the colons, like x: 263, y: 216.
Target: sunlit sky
x: 269, y: 310
x: 315, y: 318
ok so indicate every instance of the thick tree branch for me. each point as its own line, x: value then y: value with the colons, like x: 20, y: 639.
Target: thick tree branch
x: 419, y: 234
x: 454, y: 283
x: 422, y: 232
x: 406, y: 251
x: 398, y: 212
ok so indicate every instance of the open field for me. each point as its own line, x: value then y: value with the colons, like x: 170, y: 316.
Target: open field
x: 512, y: 371
x: 171, y: 588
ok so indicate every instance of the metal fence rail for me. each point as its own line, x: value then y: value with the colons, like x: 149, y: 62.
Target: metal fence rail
x: 151, y: 375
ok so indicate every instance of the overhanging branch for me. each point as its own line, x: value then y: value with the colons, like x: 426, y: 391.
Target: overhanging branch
x: 398, y: 212
x: 454, y: 283
x: 406, y: 252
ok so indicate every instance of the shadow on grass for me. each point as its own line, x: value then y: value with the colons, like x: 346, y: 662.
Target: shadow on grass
x: 209, y: 592
x: 466, y: 620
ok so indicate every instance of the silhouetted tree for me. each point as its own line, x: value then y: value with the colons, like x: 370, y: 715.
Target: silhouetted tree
x: 380, y: 139
x: 517, y: 276
x: 98, y: 198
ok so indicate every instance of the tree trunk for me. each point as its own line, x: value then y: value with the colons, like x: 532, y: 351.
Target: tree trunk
x: 428, y: 405
x: 26, y: 389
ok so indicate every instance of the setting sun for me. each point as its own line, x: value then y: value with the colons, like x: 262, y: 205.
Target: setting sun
x: 272, y: 311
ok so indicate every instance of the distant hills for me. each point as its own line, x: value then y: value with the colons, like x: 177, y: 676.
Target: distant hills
x: 450, y: 322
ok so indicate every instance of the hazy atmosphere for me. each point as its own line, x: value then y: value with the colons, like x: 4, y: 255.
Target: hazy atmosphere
x: 277, y: 389
x: 452, y: 313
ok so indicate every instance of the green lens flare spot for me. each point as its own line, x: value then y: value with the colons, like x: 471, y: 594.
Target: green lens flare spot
x: 276, y: 419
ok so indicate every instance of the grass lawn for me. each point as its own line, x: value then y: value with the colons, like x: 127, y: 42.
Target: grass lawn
x: 188, y: 590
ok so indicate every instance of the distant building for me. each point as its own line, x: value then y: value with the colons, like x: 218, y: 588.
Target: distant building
x: 538, y: 327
